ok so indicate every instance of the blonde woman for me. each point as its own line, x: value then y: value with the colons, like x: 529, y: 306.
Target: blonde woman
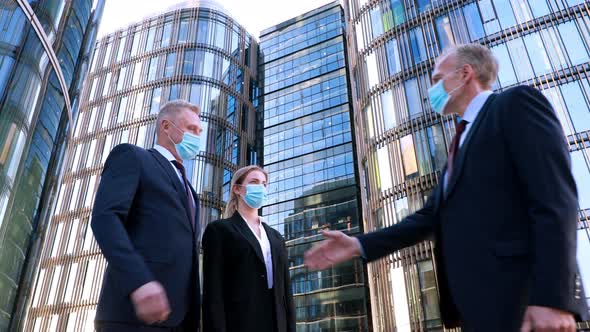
x: 246, y: 283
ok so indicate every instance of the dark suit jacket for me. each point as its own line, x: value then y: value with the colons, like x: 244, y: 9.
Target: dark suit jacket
x: 234, y: 280
x: 141, y: 221
x: 505, y: 228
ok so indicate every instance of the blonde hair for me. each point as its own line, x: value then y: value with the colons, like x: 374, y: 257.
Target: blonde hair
x: 479, y: 57
x: 238, y: 178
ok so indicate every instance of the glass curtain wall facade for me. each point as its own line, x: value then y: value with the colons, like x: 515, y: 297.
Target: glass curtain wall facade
x: 43, y: 54
x: 308, y: 145
x: 193, y: 52
x: 402, y: 144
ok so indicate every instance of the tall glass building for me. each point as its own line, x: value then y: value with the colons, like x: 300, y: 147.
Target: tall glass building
x: 44, y: 48
x: 402, y: 144
x: 193, y: 51
x: 305, y: 123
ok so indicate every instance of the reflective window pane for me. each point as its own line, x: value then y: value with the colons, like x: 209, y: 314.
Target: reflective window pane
x: 413, y: 98
x: 576, y: 48
x: 444, y: 31
x: 539, y: 58
x: 388, y: 110
x: 418, y: 47
x: 488, y: 14
x: 505, y: 13
x: 392, y: 54
x: 581, y: 170
x: 384, y: 169
x: 506, y: 74
x: 376, y: 24
x: 372, y: 70
x: 520, y: 59
x: 399, y: 13
x: 577, y: 105
x: 473, y: 21
x: 539, y: 7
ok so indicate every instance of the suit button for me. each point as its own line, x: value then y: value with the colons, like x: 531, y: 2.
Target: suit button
x: 262, y: 276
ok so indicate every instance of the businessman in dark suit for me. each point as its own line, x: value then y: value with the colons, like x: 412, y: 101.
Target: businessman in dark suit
x: 504, y: 215
x: 145, y: 220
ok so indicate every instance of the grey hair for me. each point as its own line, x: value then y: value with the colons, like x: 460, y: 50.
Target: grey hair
x: 238, y: 178
x: 480, y: 58
x: 172, y: 108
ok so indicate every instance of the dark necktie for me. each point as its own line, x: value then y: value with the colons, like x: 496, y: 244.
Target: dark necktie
x: 454, y: 147
x: 187, y: 189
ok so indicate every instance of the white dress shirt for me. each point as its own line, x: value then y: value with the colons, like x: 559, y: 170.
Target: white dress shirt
x: 168, y: 155
x: 265, y: 247
x: 470, y: 116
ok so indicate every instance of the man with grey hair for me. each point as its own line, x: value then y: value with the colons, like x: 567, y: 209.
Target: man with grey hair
x: 145, y: 220
x: 503, y: 217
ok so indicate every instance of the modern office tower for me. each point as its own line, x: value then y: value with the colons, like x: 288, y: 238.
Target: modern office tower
x: 305, y: 121
x: 193, y: 51
x: 43, y: 58
x: 402, y: 144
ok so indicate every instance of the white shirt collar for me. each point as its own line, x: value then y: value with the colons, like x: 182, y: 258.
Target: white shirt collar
x: 164, y: 152
x: 260, y: 220
x: 475, y: 106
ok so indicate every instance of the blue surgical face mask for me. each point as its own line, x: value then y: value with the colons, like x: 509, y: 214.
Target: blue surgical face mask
x: 189, y: 147
x: 439, y: 97
x: 255, y: 195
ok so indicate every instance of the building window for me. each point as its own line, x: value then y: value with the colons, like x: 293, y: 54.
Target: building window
x: 392, y: 54
x: 376, y: 23
x: 576, y: 48
x: 473, y: 22
x: 170, y: 62
x: 577, y: 105
x: 444, y: 31
x: 488, y: 15
x: 506, y: 74
x: 183, y: 31
x: 539, y: 7
x: 505, y: 13
x: 429, y: 292
x: 399, y: 12
x: 155, y: 102
x: 409, y: 157
x: 581, y: 171
x: 520, y: 58
x: 167, y: 34
x: 413, y: 98
x: 383, y: 169
x: 389, y: 121
x: 540, y: 60
x: 418, y: 46
x: 150, y: 39
x: 583, y: 256
x: 372, y: 70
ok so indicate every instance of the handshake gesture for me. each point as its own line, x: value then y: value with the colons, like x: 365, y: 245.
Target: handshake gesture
x: 339, y: 247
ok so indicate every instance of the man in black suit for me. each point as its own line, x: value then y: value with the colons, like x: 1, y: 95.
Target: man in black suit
x: 145, y: 220
x: 504, y: 215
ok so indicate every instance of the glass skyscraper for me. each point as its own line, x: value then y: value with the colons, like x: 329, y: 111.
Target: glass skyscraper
x: 193, y: 51
x: 44, y: 48
x: 402, y: 144
x: 307, y: 140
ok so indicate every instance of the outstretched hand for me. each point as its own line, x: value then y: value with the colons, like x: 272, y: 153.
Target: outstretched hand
x: 336, y: 248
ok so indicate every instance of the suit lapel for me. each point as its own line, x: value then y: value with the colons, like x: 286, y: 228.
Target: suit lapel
x: 462, y: 153
x: 197, y: 208
x: 243, y: 228
x: 275, y: 249
x: 175, y: 181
